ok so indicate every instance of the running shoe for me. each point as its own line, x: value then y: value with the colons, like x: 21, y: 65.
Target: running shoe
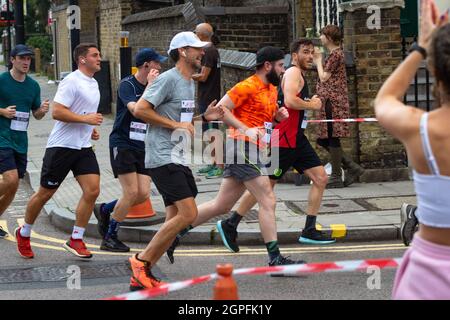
x: 315, y: 236
x: 214, y: 173
x: 171, y: 250
x: 114, y: 245
x: 282, y: 261
x: 205, y: 170
x: 23, y: 245
x: 408, y: 222
x: 228, y: 234
x: 103, y: 219
x: 3, y: 233
x: 142, y: 277
x: 78, y: 248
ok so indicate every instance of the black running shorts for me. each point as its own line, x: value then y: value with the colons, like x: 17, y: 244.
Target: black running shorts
x: 174, y: 182
x: 58, y: 162
x: 125, y: 161
x: 302, y: 158
x: 12, y: 160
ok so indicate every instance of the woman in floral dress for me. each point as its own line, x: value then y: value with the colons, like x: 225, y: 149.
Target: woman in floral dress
x: 332, y: 89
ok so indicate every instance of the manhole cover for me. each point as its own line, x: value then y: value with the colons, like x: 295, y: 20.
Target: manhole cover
x: 328, y: 206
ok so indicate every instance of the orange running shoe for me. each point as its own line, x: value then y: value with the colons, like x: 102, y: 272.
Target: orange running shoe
x: 77, y: 248
x: 142, y: 277
x: 23, y: 245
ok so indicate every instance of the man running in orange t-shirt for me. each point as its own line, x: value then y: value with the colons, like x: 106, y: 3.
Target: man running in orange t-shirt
x: 250, y: 106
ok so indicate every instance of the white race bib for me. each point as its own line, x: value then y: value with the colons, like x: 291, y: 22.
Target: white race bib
x: 20, y: 121
x: 138, y: 131
x: 187, y: 110
x: 268, y: 132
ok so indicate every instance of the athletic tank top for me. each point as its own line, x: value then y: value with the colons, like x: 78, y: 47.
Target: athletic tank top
x: 433, y: 190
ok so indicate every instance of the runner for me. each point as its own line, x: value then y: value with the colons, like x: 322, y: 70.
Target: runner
x: 254, y: 105
x: 127, y: 151
x: 209, y: 90
x: 294, y: 150
x: 19, y: 94
x: 69, y: 149
x: 168, y: 106
x: 424, y: 271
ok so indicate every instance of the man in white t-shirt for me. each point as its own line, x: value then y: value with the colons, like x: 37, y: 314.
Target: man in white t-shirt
x: 69, y: 149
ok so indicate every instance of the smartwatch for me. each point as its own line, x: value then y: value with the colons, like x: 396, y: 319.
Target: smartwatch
x: 416, y: 47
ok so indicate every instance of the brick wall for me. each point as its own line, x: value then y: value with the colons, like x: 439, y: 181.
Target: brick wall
x: 63, y: 42
x: 304, y: 16
x: 248, y: 29
x: 88, y: 20
x: 378, y: 53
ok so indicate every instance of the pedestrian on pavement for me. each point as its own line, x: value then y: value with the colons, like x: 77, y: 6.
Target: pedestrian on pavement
x: 127, y: 151
x: 424, y: 271
x: 251, y: 107
x: 332, y: 89
x: 19, y: 94
x: 168, y: 105
x: 294, y: 150
x: 69, y: 149
x: 209, y: 90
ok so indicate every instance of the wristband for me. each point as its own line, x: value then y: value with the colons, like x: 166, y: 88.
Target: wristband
x: 421, y: 50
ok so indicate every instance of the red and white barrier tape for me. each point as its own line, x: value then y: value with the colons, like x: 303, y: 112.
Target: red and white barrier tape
x: 343, y: 266
x: 345, y: 120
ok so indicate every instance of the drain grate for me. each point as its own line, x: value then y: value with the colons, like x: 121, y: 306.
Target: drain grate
x: 59, y: 273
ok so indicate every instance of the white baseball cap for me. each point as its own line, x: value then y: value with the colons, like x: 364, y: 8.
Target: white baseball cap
x: 186, y: 39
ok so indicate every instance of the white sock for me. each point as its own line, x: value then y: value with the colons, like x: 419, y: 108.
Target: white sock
x: 77, y: 233
x: 25, y: 231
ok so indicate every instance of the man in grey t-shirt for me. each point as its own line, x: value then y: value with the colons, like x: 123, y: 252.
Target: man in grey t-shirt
x: 168, y: 105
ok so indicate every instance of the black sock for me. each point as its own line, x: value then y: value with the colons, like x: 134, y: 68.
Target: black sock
x: 273, y: 249
x: 234, y: 219
x: 184, y: 231
x: 310, y: 224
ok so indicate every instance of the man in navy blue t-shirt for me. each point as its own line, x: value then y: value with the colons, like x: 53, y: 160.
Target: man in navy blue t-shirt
x: 127, y: 151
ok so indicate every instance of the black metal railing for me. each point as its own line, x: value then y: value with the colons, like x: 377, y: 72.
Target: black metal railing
x: 325, y: 13
x: 424, y: 101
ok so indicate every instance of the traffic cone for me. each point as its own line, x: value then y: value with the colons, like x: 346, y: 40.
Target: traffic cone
x: 226, y: 287
x: 142, y: 210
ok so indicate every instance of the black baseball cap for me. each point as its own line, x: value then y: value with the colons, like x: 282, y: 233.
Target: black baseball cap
x: 21, y: 50
x: 148, y: 54
x: 268, y: 54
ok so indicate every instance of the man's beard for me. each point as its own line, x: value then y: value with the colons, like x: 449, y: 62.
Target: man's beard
x: 273, y: 78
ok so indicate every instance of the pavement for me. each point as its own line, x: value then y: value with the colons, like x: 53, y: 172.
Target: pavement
x: 361, y: 212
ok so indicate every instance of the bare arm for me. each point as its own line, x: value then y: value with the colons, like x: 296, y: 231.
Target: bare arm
x: 228, y: 117
x: 62, y: 113
x: 292, y: 84
x: 203, y: 75
x: 323, y: 75
x: 144, y: 110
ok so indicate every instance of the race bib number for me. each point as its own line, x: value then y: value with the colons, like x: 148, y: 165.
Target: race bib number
x: 20, y: 121
x: 187, y: 110
x: 138, y: 131
x: 268, y: 132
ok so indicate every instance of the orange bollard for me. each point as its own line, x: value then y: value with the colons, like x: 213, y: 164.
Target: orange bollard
x: 226, y: 287
x: 142, y: 210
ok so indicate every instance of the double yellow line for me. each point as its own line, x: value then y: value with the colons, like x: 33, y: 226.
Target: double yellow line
x: 214, y: 251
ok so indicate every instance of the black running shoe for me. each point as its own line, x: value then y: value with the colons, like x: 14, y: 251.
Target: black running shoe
x: 228, y: 234
x: 282, y: 261
x: 103, y: 219
x: 3, y: 233
x: 114, y: 245
x: 314, y: 236
x: 409, y: 222
x: 171, y: 250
